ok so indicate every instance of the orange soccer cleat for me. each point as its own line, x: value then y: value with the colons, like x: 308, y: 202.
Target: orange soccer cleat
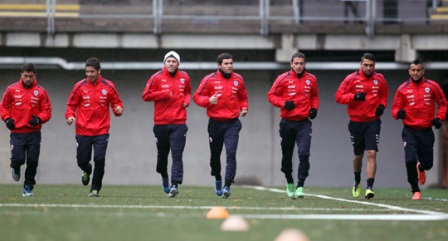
x: 421, y: 175
x: 416, y: 196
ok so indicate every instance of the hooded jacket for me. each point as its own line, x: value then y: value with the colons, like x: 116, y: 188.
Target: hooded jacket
x: 376, y: 90
x: 232, y: 96
x: 302, y: 91
x: 89, y: 104
x: 418, y: 100
x: 22, y: 103
x: 169, y: 94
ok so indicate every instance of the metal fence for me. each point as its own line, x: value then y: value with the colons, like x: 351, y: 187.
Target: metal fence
x: 165, y: 15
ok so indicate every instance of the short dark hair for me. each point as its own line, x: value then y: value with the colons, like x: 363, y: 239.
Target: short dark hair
x: 93, y: 62
x: 29, y: 67
x: 368, y: 56
x: 417, y: 62
x: 223, y: 56
x: 298, y: 55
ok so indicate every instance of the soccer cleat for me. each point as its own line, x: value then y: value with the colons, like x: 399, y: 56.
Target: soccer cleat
x: 356, y: 191
x: 369, y: 193
x: 421, y: 175
x: 15, y: 175
x: 165, y: 185
x: 218, y: 188
x: 173, y: 191
x: 416, y: 196
x: 94, y: 193
x: 85, y: 178
x: 299, y: 192
x: 226, y: 192
x: 27, y: 191
x: 290, y: 190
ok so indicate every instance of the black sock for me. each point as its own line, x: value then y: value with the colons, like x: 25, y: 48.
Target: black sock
x: 218, y: 178
x: 301, y: 182
x: 357, y: 177
x: 370, y: 182
x: 227, y: 184
x: 164, y: 176
x: 289, y: 178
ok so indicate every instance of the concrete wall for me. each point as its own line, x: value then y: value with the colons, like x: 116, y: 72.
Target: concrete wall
x: 131, y: 156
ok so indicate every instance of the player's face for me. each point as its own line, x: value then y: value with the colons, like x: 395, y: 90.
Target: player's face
x: 171, y: 64
x: 416, y: 72
x: 92, y: 74
x: 367, y: 66
x: 28, y: 77
x: 226, y: 66
x: 298, y: 65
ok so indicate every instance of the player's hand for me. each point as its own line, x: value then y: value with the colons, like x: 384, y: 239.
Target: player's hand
x: 10, y: 124
x: 119, y: 110
x: 401, y: 114
x: 244, y: 112
x: 35, y: 121
x: 214, y: 99
x: 70, y: 120
x: 289, y: 105
x: 380, y: 110
x: 313, y: 113
x: 437, y: 123
x: 361, y: 96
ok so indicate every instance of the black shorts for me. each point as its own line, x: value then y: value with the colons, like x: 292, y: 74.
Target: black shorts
x: 364, y: 135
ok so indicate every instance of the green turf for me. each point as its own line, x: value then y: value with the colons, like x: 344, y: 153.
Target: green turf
x: 122, y: 213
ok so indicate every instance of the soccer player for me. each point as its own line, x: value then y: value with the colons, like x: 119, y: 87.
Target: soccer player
x: 170, y: 90
x: 295, y: 92
x: 414, y: 102
x: 88, y: 105
x: 365, y: 94
x: 224, y: 95
x: 25, y: 107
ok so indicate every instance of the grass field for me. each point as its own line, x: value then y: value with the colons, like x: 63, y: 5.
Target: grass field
x: 128, y: 213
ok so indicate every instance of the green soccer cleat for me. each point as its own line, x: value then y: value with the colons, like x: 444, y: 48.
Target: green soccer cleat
x: 290, y: 190
x: 369, y: 193
x: 94, y: 193
x: 85, y: 178
x: 299, y: 192
x: 356, y: 191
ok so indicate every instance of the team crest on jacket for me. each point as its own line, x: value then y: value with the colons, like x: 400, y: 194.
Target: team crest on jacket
x: 182, y: 80
x: 104, y: 92
x: 36, y: 93
x: 427, y: 89
x: 375, y: 81
x: 235, y: 83
x: 308, y: 82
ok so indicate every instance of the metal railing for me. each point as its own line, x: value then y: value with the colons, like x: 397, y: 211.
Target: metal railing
x: 293, y: 12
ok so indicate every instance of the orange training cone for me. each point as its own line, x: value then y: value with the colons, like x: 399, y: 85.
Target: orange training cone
x: 218, y: 213
x: 235, y: 223
x: 292, y: 235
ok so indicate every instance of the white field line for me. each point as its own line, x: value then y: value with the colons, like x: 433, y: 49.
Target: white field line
x: 180, y: 207
x: 423, y: 214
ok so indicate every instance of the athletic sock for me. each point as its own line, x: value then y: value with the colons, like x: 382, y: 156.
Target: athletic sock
x: 301, y: 182
x: 370, y: 182
x: 289, y: 178
x: 357, y: 177
x: 218, y: 178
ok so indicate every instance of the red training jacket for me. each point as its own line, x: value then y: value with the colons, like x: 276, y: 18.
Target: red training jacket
x: 89, y: 104
x: 169, y: 94
x: 376, y: 90
x: 303, y: 91
x: 418, y: 101
x: 21, y: 103
x: 232, y: 96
